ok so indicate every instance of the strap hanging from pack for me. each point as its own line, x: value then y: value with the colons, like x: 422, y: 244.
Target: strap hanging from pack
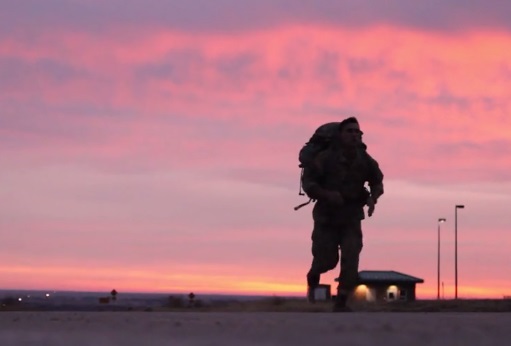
x: 300, y: 193
x: 304, y: 204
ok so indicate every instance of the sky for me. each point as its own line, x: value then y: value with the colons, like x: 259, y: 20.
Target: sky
x: 152, y: 145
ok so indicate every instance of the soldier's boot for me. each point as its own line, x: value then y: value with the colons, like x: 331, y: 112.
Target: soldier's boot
x: 340, y: 303
x: 312, y: 283
x: 311, y: 297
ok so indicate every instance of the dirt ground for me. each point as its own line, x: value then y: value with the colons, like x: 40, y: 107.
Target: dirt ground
x: 253, y: 328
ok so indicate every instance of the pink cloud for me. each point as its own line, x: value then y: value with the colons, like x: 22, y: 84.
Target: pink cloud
x: 290, y: 80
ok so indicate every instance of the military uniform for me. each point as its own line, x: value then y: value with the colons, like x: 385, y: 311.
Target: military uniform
x: 339, y: 226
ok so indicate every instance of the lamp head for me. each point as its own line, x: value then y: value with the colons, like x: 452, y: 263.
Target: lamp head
x: 460, y: 206
x: 442, y: 220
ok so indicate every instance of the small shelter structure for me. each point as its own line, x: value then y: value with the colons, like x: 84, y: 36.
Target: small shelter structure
x: 385, y: 285
x: 323, y: 292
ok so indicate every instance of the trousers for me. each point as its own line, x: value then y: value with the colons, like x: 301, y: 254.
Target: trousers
x: 327, y: 241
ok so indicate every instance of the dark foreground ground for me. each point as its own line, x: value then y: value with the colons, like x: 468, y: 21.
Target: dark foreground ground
x: 26, y: 328
x: 267, y: 304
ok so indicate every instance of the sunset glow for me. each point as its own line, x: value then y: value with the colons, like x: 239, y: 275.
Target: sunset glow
x: 160, y: 154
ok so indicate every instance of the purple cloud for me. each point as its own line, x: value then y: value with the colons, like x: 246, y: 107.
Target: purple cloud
x: 235, y: 15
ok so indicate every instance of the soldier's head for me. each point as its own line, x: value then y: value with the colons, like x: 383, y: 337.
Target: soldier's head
x: 349, y: 132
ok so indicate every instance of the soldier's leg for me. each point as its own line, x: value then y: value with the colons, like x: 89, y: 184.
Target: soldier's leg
x: 325, y: 252
x: 351, y: 245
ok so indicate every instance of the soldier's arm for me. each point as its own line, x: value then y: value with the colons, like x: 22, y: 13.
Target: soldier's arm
x: 375, y: 179
x: 311, y: 179
x: 311, y: 182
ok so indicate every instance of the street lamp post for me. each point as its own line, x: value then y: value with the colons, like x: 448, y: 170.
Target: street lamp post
x: 458, y: 206
x: 441, y: 220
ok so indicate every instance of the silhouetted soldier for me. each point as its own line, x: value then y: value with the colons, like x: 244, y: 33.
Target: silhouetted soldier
x: 336, y: 180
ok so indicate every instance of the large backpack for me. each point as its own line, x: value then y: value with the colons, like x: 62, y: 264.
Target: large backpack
x: 320, y: 141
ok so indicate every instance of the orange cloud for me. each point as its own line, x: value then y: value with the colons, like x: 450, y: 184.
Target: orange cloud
x: 143, y: 280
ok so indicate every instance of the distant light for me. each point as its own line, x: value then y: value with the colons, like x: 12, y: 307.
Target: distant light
x: 361, y: 289
x: 19, y: 299
x: 47, y: 295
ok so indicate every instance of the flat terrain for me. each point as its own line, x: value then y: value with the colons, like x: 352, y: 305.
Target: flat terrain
x: 103, y: 328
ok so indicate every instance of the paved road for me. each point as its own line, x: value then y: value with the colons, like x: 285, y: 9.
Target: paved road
x: 207, y: 328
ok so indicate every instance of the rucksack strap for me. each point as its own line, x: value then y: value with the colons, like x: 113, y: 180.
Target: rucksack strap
x: 304, y: 204
x: 300, y: 190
